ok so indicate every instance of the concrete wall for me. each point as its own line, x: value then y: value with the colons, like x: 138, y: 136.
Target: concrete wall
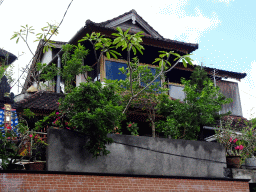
x: 244, y: 174
x: 176, y: 92
x: 66, y: 153
x: 80, y: 78
x: 47, y: 57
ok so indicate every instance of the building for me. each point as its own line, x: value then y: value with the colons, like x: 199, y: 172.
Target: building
x: 152, y: 42
x: 135, y: 163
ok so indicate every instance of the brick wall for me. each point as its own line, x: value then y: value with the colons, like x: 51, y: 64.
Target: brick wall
x: 28, y: 182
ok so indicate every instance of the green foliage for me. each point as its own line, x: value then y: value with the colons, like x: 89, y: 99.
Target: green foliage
x: 95, y: 111
x: 178, y: 123
x: 72, y: 65
x: 72, y: 61
x: 3, y: 68
x: 28, y: 113
x: 164, y: 56
x: 133, y: 128
x: 198, y: 77
x: 201, y: 105
x: 253, y: 123
x: 101, y: 43
x: 131, y: 88
x: 46, y: 32
x: 46, y: 121
x: 11, y: 142
x: 228, y: 135
x: 128, y: 41
x: 140, y: 77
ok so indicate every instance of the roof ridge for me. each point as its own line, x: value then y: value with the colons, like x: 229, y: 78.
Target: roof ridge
x: 104, y: 23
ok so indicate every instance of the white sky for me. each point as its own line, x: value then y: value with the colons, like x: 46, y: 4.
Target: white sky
x: 171, y: 19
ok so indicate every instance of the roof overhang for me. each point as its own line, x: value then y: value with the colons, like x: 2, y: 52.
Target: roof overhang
x: 5, y: 54
x: 210, y: 71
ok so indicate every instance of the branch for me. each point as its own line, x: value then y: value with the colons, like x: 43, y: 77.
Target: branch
x: 45, y: 42
x: 27, y: 45
x: 130, y: 68
x: 162, y: 72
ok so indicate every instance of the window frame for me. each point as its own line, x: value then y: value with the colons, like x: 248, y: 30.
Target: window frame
x: 103, y: 67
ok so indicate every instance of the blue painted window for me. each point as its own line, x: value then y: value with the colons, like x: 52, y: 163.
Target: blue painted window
x: 112, y: 70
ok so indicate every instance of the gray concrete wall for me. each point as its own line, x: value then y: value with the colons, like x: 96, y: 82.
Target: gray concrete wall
x: 244, y: 174
x: 66, y: 153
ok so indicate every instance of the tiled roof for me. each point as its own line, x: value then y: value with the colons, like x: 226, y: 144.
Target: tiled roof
x: 219, y: 72
x: 41, y: 100
x: 103, y: 24
x: 11, y: 58
x: 237, y: 121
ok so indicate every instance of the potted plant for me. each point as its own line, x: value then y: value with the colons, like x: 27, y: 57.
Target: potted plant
x: 37, y: 155
x: 249, y: 137
x: 233, y: 143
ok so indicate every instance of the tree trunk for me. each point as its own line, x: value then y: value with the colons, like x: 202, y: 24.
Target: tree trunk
x: 153, y: 129
x: 201, y: 133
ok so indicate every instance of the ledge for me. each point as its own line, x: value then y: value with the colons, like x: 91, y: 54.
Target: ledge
x: 123, y: 175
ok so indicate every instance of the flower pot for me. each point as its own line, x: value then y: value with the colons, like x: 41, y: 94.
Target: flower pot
x: 250, y: 163
x: 15, y: 167
x: 233, y: 161
x: 35, y: 166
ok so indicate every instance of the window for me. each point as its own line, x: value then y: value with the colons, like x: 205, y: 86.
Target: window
x: 113, y: 72
x: 176, y: 91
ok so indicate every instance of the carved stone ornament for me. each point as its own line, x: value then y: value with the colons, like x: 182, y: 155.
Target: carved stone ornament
x: 133, y: 19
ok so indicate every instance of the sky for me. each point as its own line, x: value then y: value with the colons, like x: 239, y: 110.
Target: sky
x: 224, y: 30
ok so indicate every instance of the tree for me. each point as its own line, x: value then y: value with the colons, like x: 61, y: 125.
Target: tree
x: 86, y: 107
x: 92, y: 118
x: 148, y: 99
x: 133, y: 42
x: 45, y: 44
x: 201, y: 106
x: 72, y: 62
x: 95, y: 111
